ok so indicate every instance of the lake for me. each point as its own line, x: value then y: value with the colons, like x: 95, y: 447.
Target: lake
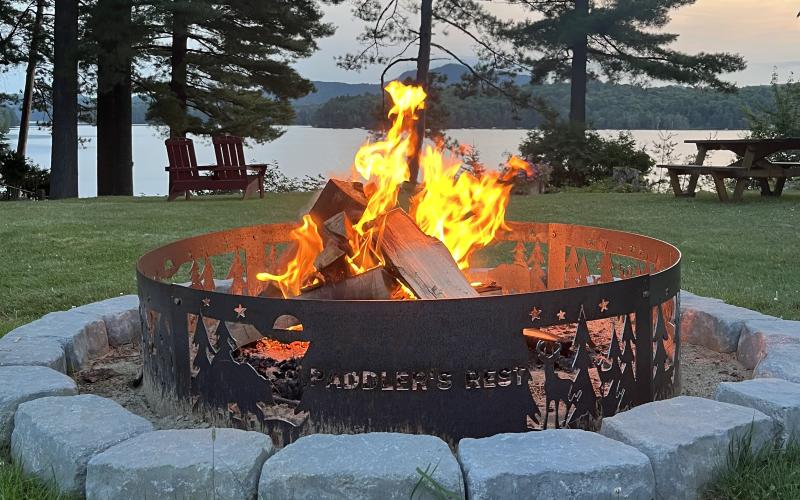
x: 308, y: 150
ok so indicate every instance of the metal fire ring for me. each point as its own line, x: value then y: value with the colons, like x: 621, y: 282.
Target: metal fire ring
x: 453, y: 368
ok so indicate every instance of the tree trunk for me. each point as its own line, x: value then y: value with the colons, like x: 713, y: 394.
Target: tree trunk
x: 30, y: 78
x: 577, y: 103
x: 180, y: 35
x: 64, y: 153
x: 114, y: 148
x: 423, y: 65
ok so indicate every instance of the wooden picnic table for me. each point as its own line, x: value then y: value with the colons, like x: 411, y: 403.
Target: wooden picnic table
x: 752, y: 163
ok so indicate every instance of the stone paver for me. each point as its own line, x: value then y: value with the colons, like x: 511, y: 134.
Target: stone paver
x: 19, y: 384
x: 560, y: 463
x: 180, y: 464
x: 776, y: 398
x: 121, y: 316
x: 380, y: 466
x: 21, y: 350
x: 686, y: 438
x: 55, y: 437
x: 83, y: 336
x: 762, y: 337
x: 714, y: 324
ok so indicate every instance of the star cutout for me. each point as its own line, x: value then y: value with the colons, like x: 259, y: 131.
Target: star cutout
x: 561, y: 315
x: 240, y: 311
x: 206, y: 302
x: 603, y: 305
x: 535, y: 314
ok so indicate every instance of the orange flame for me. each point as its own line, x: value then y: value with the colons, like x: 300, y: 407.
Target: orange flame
x: 461, y: 209
x: 384, y: 164
x: 308, y: 244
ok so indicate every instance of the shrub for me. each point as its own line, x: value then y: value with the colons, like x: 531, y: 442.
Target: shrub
x: 16, y: 171
x: 581, y: 157
x: 781, y: 119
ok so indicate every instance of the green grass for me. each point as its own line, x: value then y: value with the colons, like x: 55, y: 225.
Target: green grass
x: 58, y: 254
x: 766, y: 472
x: 14, y: 485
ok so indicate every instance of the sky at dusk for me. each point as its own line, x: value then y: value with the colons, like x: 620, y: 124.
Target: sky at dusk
x: 765, y: 32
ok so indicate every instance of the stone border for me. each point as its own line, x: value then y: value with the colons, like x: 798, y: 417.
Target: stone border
x: 624, y: 459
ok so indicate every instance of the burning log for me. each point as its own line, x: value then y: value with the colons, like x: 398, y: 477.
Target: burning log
x: 423, y: 263
x: 375, y: 284
x: 339, y: 196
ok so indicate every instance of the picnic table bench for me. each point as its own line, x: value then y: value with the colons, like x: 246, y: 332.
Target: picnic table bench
x: 752, y: 164
x: 229, y: 174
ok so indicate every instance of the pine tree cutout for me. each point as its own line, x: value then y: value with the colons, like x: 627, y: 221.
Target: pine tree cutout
x: 538, y: 277
x: 236, y: 274
x: 572, y: 277
x: 582, y: 395
x: 201, y: 365
x: 197, y: 283
x: 662, y: 380
x: 611, y: 378
x: 627, y: 358
x: 208, y: 276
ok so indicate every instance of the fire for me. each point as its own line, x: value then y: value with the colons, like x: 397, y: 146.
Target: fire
x: 462, y: 209
x: 300, y: 269
x: 384, y: 164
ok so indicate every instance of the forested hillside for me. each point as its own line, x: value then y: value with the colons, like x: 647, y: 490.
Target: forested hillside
x: 609, y: 106
x: 341, y: 105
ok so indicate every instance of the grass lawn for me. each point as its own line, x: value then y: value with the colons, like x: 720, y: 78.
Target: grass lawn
x: 58, y: 254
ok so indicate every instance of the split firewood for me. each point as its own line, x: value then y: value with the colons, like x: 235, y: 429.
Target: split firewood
x: 339, y: 196
x: 375, y: 284
x: 339, y: 230
x: 423, y: 263
x: 332, y: 263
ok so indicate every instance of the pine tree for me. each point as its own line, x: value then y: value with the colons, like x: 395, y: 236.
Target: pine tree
x: 620, y: 37
x: 64, y: 153
x: 393, y: 28
x: 113, y: 34
x: 227, y: 66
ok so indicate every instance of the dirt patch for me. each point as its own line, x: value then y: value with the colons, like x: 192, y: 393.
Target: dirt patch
x: 703, y: 369
x: 114, y: 376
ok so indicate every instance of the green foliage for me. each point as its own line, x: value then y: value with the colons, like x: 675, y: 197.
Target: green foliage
x: 780, y: 118
x: 754, y: 473
x: 19, y: 172
x: 580, y: 158
x: 276, y: 181
x: 236, y: 75
x: 622, y: 38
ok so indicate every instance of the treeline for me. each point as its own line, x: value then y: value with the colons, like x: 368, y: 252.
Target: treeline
x: 609, y: 106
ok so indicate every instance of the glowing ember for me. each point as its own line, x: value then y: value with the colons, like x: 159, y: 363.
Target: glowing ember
x: 463, y: 210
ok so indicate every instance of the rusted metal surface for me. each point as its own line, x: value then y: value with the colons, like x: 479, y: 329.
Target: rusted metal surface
x: 452, y: 367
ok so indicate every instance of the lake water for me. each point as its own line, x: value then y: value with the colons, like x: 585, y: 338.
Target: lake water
x: 308, y: 150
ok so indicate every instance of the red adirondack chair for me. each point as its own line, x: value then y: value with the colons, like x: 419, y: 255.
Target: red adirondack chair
x: 186, y: 175
x: 231, y: 165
